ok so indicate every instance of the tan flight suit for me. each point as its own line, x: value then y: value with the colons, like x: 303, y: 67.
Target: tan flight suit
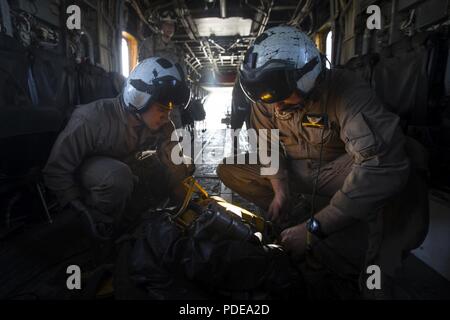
x: 92, y: 156
x: 154, y: 46
x: 365, y: 172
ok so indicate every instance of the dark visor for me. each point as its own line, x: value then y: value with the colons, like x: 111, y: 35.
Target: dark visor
x: 270, y: 87
x: 166, y: 91
x: 273, y: 82
x: 171, y: 91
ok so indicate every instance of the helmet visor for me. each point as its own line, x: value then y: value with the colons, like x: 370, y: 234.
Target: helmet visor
x: 269, y: 87
x: 170, y: 92
x: 274, y: 81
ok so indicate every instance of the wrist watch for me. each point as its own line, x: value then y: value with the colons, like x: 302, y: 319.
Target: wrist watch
x: 313, y: 227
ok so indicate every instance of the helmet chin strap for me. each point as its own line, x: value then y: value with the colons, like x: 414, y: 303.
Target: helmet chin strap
x: 282, y: 115
x: 315, y: 92
x: 138, y: 117
x: 285, y: 111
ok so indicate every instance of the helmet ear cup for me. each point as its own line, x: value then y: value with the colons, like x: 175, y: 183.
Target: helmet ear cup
x: 253, y: 58
x: 180, y: 71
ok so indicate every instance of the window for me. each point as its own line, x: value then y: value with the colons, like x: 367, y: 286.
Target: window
x: 324, y: 42
x: 329, y: 48
x: 129, y: 53
x: 125, y: 58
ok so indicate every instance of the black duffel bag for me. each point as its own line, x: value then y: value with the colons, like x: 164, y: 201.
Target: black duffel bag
x: 160, y: 261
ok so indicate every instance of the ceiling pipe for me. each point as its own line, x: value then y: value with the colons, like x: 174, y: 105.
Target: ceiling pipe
x: 186, y: 20
x: 266, y: 18
x: 223, y: 9
x: 283, y: 8
x: 141, y: 16
x: 210, y: 56
x: 302, y: 11
x: 191, y: 52
x: 193, y: 68
x: 222, y: 49
x: 234, y: 44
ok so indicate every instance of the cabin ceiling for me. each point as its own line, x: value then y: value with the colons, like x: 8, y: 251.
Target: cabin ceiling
x: 216, y: 33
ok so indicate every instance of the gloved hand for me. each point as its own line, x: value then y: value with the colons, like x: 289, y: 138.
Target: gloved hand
x: 99, y: 225
x: 190, y: 169
x: 298, y: 210
x: 294, y: 240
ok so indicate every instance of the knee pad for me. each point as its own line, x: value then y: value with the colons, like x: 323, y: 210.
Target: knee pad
x: 120, y: 181
x: 114, y: 190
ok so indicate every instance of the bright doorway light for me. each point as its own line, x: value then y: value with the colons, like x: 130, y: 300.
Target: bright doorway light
x: 217, y: 106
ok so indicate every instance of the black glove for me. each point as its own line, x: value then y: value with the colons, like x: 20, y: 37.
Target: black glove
x: 299, y: 210
x: 99, y: 225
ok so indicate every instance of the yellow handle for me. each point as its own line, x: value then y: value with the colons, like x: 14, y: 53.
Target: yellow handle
x: 191, y: 184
